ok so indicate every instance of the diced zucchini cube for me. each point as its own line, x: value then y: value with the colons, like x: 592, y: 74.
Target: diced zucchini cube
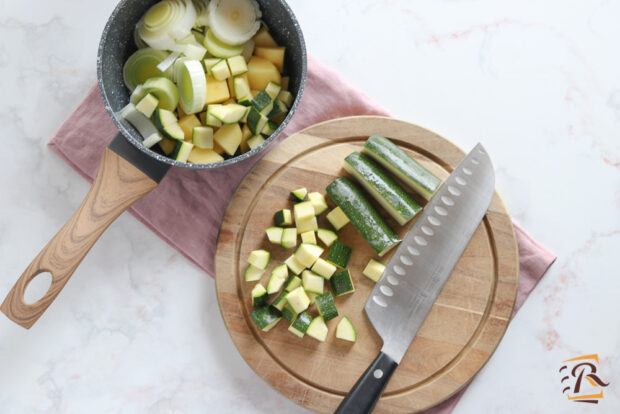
x: 326, y: 236
x: 259, y: 295
x: 209, y: 63
x: 289, y: 313
x: 274, y: 234
x: 256, y: 121
x: 283, y: 217
x: 294, y: 265
x: 303, y: 211
x: 263, y: 102
x: 147, y: 105
x: 220, y: 70
x: 308, y: 237
x: 317, y: 329
x: 300, y: 193
x: 339, y: 254
x: 286, y: 97
x: 306, y: 254
x: 374, y: 270
x: 253, y: 273
x: 342, y: 283
x: 298, y: 299
x: 304, y: 226
x: 279, y: 274
x: 237, y: 65
x: 327, y: 307
x: 265, y: 317
x: 289, y: 238
x: 312, y: 282
x: 259, y: 258
x: 292, y: 283
x: 318, y: 202
x: 273, y: 89
x: 300, y: 325
x: 345, y: 330
x: 255, y: 141
x: 337, y: 218
x: 279, y: 302
x: 202, y: 137
x: 324, y: 268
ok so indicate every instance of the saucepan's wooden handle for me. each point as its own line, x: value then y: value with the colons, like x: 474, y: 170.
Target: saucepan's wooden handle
x: 117, y: 186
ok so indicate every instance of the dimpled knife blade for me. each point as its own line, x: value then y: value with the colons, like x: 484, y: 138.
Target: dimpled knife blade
x: 413, y: 278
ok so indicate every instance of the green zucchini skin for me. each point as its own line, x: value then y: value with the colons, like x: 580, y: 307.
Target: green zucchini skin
x: 394, y: 159
x: 363, y: 215
x: 383, y: 188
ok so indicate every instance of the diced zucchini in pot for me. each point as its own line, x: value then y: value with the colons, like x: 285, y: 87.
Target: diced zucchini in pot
x: 399, y: 163
x: 255, y: 141
x: 286, y: 97
x: 151, y: 140
x: 182, y: 150
x: 242, y: 91
x: 279, y: 274
x: 147, y: 105
x: 202, y: 137
x: 307, y: 225
x: 259, y: 295
x: 327, y: 307
x: 300, y: 193
x: 317, y: 329
x: 382, y: 187
x: 279, y: 302
x: 318, y: 202
x: 324, y: 268
x: 256, y: 121
x: 292, y: 283
x: 274, y: 234
x: 300, y: 324
x: 278, y: 111
x: 326, y: 236
x: 265, y: 317
x: 306, y: 254
x: 220, y: 70
x: 262, y: 102
x: 270, y: 128
x: 283, y: 217
x: 229, y: 113
x: 164, y: 117
x: 289, y: 238
x: 253, y: 273
x: 298, y: 299
x: 345, y: 330
x: 259, y: 258
x: 209, y: 63
x: 273, y: 89
x: 337, y: 218
x: 312, y: 282
x: 363, y: 215
x: 289, y: 313
x: 293, y: 265
x: 308, y: 237
x: 210, y: 119
x: 374, y: 270
x: 339, y: 254
x: 342, y: 283
x: 303, y: 211
x: 237, y: 65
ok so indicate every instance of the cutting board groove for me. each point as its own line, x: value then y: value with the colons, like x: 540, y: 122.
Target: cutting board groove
x: 462, y: 329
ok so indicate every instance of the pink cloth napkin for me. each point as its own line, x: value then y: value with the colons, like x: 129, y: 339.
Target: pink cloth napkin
x: 201, y: 197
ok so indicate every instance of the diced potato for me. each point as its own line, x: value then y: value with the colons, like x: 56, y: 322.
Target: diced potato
x: 273, y: 54
x: 217, y: 147
x: 229, y: 138
x: 167, y: 145
x: 187, y: 124
x: 260, y: 72
x: 263, y: 38
x: 204, y: 156
x: 217, y: 91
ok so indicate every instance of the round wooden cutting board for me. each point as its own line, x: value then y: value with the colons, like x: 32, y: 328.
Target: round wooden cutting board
x: 459, y: 334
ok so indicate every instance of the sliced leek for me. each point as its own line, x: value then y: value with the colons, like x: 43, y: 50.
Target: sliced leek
x: 192, y: 84
x: 165, y: 64
x: 142, y: 65
x: 234, y: 21
x: 164, y: 90
x: 167, y: 21
x: 220, y: 49
x: 202, y: 13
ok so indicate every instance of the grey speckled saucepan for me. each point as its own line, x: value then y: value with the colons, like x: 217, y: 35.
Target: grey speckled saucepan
x: 128, y: 171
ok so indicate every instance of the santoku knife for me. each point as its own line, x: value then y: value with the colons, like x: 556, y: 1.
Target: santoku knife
x: 413, y: 278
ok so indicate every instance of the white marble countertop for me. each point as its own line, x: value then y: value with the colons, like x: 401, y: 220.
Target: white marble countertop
x: 137, y: 329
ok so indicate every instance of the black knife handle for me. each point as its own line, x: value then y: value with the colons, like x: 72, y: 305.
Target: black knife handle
x: 366, y: 392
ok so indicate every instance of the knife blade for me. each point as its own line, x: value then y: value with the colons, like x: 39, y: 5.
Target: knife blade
x: 416, y: 273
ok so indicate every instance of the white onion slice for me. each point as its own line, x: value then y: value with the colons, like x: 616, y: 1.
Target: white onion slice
x: 234, y: 21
